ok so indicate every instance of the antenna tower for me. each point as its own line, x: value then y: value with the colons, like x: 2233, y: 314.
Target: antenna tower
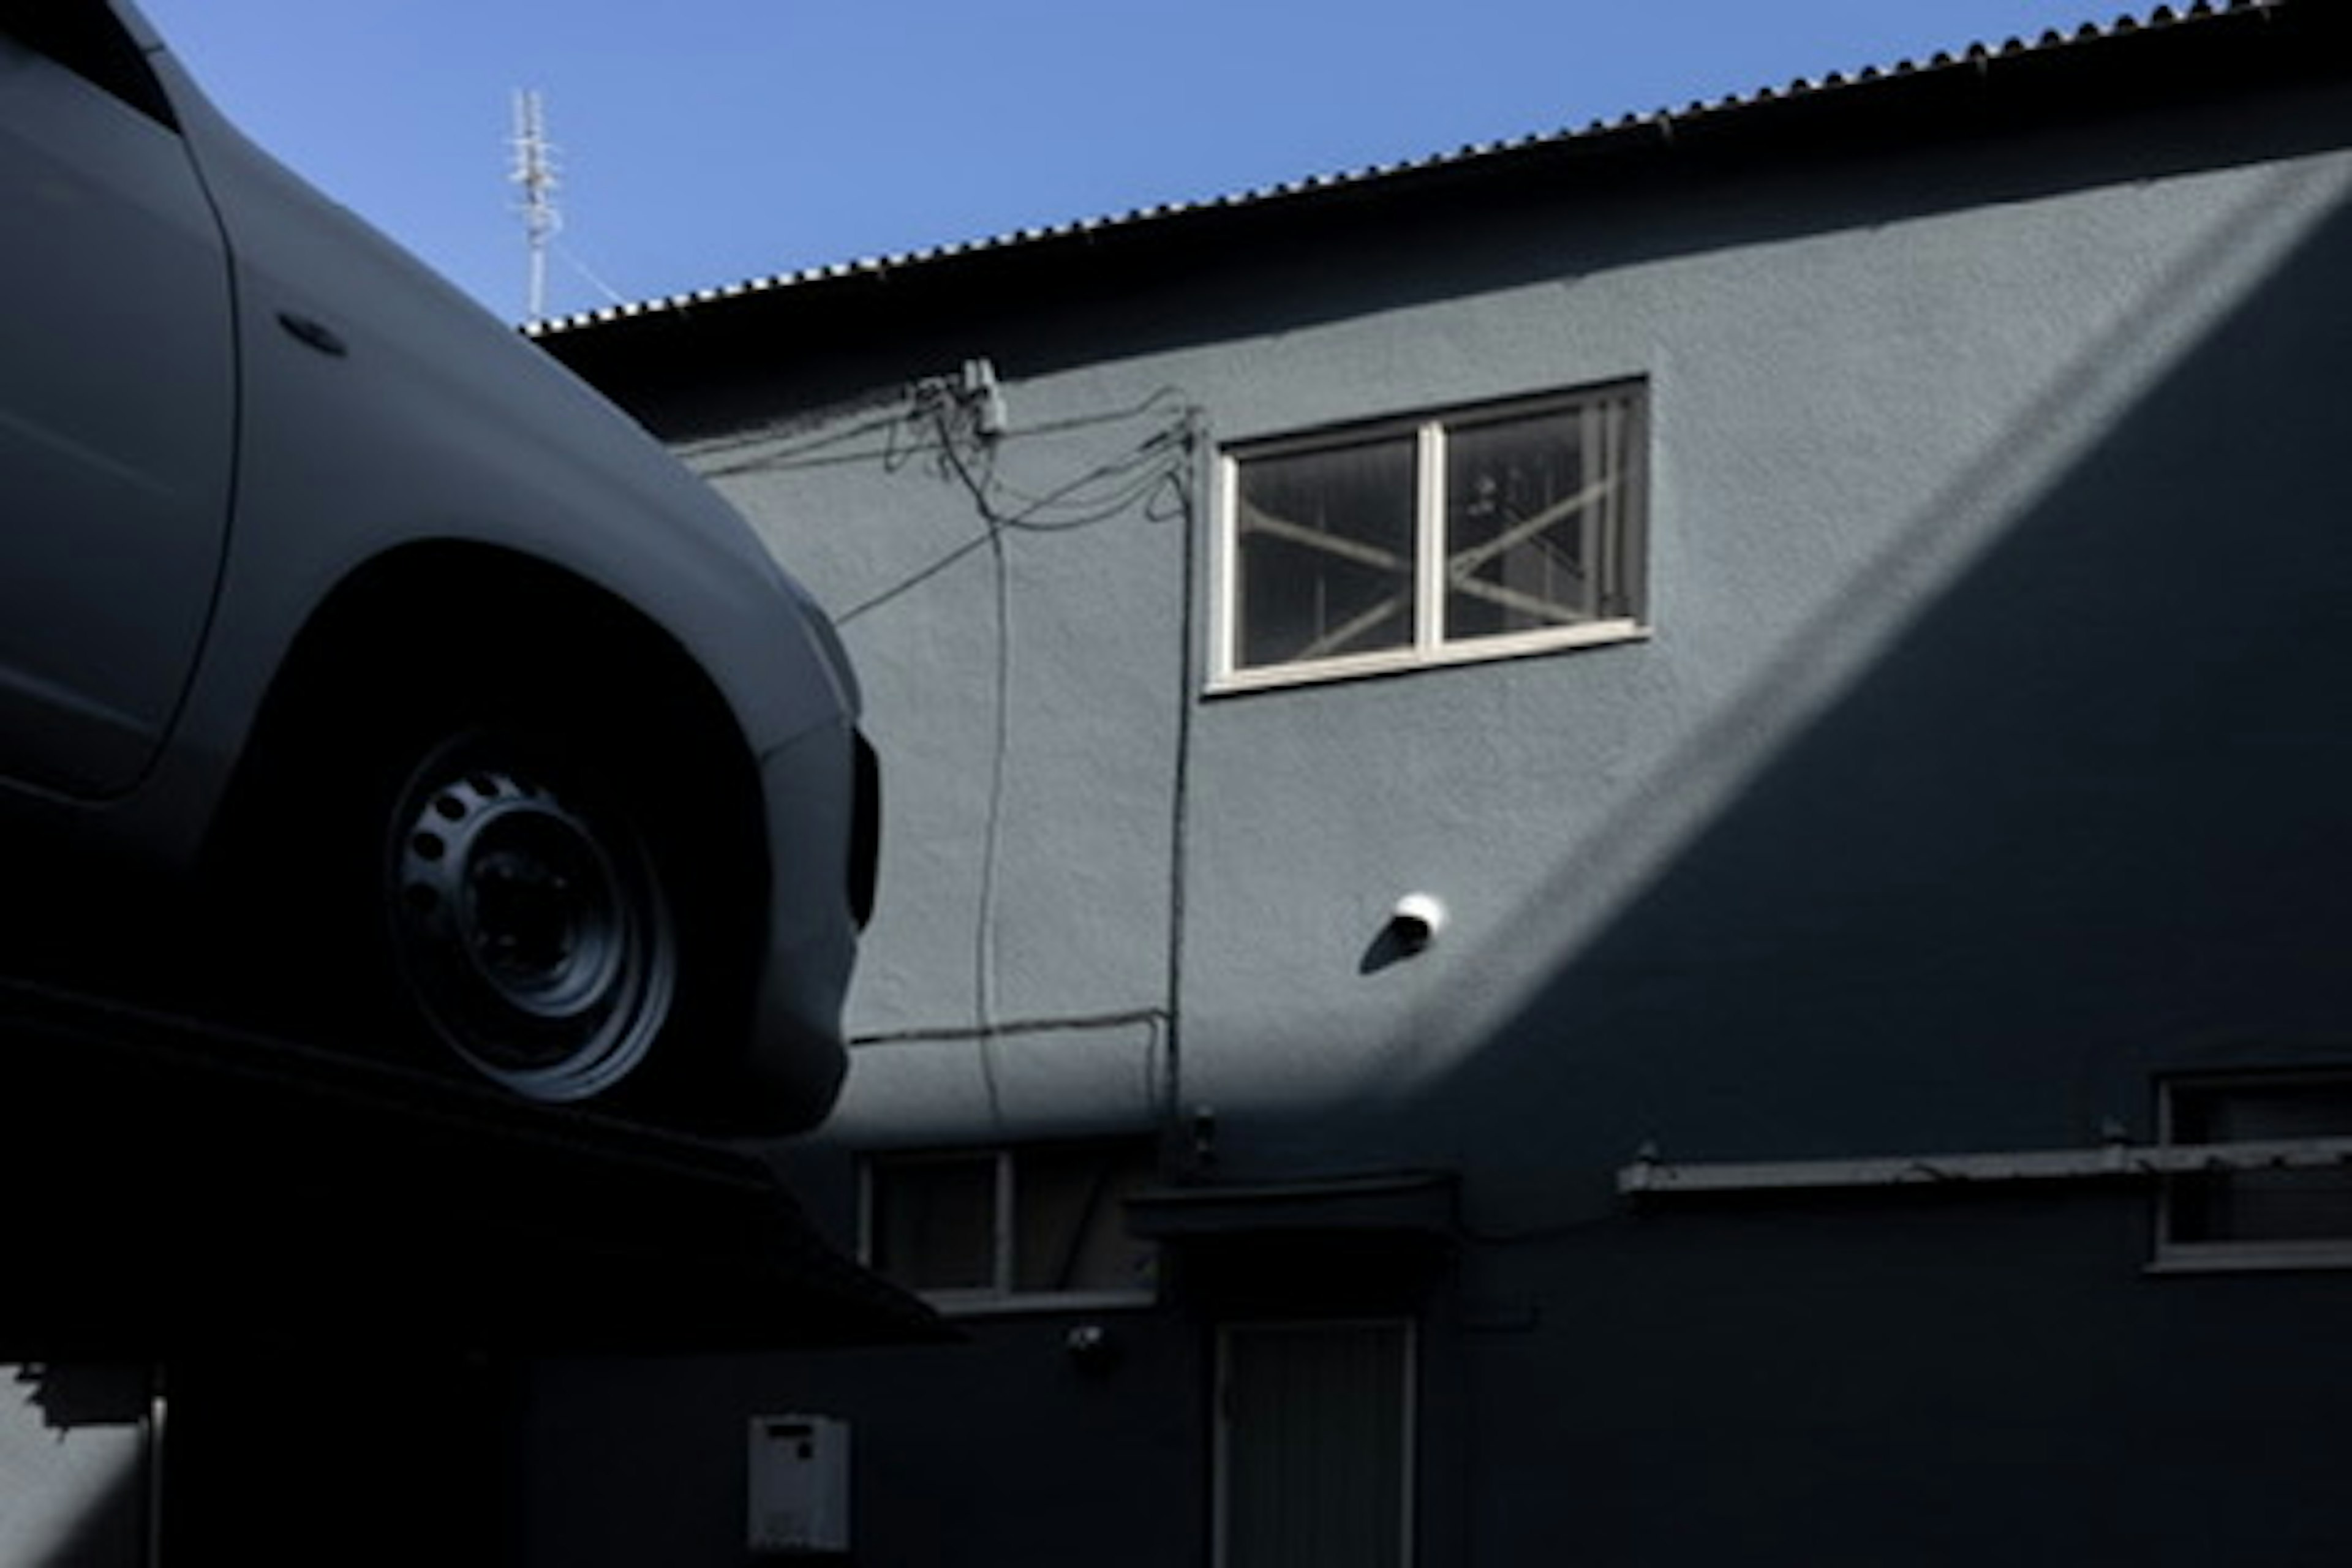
x: 534, y: 171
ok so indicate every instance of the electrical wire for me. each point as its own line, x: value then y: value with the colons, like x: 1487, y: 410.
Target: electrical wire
x: 922, y: 575
x: 612, y: 295
x: 1155, y: 476
x: 992, y: 836
x: 911, y: 409
x: 949, y: 423
x: 1160, y: 462
x: 805, y: 455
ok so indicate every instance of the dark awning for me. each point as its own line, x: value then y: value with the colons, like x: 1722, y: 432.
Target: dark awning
x: 1339, y: 1245
x: 180, y: 1189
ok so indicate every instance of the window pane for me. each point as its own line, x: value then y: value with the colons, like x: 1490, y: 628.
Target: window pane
x: 2261, y: 1205
x: 1072, y: 1224
x: 1325, y: 552
x: 1533, y: 507
x: 934, y: 1223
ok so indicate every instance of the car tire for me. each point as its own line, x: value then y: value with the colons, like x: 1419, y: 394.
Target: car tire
x: 550, y: 884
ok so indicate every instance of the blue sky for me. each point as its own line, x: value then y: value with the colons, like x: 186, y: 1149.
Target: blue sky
x: 703, y: 143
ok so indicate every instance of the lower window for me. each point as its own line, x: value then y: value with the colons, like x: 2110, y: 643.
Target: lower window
x: 1315, y: 1445
x: 1040, y: 1224
x: 2276, y: 1189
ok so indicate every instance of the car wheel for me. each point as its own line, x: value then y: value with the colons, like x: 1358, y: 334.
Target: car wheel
x: 529, y: 923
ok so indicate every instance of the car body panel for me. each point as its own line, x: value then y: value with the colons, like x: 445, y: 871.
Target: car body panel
x: 431, y: 426
x: 320, y: 404
x: 117, y: 486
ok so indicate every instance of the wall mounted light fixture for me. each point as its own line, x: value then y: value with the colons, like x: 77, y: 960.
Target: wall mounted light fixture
x: 1417, y: 920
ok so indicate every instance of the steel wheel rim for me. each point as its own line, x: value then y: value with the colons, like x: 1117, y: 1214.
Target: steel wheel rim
x: 533, y: 937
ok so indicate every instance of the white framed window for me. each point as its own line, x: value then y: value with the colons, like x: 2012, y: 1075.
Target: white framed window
x: 1039, y: 1225
x: 1315, y: 1462
x: 2273, y: 1184
x: 1470, y: 533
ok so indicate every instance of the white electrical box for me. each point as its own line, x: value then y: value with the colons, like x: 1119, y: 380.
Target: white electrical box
x: 800, y: 1484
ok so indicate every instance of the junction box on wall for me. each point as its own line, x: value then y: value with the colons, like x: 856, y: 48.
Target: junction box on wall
x: 799, y: 1485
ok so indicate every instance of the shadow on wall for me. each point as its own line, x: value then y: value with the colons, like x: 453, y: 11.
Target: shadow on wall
x: 2083, y: 816
x: 2083, y: 820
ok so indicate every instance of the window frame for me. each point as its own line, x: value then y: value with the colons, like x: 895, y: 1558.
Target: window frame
x: 2172, y: 1254
x: 1002, y: 1294
x: 1622, y: 569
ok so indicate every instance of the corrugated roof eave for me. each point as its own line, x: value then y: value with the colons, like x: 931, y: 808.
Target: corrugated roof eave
x: 1660, y: 124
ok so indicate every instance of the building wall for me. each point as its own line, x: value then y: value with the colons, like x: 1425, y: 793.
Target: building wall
x: 1984, y: 765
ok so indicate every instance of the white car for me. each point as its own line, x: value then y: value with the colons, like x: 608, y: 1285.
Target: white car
x: 479, y: 717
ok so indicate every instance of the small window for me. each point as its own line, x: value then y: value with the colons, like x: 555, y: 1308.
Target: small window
x: 2276, y: 1190
x: 1470, y: 534
x: 1043, y: 1225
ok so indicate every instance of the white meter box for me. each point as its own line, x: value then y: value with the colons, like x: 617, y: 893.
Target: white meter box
x: 800, y: 1484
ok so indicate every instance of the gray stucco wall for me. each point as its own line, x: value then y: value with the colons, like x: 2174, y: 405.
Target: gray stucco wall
x: 1879, y: 394
x: 1986, y: 761
x: 1990, y: 586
